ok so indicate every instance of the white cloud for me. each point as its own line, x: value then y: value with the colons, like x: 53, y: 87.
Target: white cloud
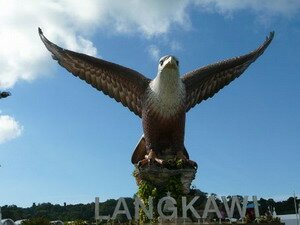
x: 148, y: 17
x: 262, y: 7
x: 70, y: 23
x: 22, y: 56
x: 175, y: 46
x: 9, y: 128
x: 154, y: 52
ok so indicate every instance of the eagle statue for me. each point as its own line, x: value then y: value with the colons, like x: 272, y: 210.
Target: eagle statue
x: 161, y: 103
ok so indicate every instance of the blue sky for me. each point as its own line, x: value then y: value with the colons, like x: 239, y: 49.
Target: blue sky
x: 63, y: 141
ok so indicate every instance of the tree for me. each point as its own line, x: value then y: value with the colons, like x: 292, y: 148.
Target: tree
x: 36, y: 221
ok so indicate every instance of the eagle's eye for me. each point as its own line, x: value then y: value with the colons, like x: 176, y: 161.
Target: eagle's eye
x: 161, y: 62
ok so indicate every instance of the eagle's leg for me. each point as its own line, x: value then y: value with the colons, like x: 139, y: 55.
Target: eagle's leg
x: 150, y: 158
x: 181, y: 156
x: 178, y: 144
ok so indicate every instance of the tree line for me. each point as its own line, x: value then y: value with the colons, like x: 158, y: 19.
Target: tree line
x: 86, y: 212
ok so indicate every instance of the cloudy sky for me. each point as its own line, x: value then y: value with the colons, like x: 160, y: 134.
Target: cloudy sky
x: 63, y: 141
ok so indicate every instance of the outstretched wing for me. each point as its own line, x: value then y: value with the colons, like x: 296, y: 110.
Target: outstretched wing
x: 123, y: 84
x: 204, y: 82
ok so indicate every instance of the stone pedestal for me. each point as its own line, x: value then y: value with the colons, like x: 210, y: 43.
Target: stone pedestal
x: 159, y: 176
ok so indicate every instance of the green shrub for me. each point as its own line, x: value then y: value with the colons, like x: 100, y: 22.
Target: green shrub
x: 36, y: 221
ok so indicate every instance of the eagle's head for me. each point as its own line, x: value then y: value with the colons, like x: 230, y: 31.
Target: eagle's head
x: 168, y: 64
x: 166, y: 94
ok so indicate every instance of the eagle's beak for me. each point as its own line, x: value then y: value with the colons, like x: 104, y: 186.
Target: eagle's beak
x: 171, y: 63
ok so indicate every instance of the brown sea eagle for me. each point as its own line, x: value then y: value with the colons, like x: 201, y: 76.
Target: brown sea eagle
x: 161, y: 103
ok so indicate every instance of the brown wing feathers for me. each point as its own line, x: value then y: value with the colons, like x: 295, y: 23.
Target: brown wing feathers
x: 207, y: 81
x: 123, y: 84
x: 128, y: 86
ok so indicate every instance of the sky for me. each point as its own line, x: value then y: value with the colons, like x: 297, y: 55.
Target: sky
x: 63, y: 141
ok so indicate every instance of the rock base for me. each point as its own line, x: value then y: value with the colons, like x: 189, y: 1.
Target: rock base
x: 159, y: 176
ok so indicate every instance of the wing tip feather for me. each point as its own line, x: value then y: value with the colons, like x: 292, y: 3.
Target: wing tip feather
x: 41, y: 34
x: 40, y: 31
x: 271, y: 35
x: 267, y: 41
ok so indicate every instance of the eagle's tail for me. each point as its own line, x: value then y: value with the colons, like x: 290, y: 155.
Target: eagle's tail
x: 140, y: 151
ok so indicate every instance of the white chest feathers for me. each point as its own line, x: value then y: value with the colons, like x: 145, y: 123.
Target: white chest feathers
x: 166, y: 94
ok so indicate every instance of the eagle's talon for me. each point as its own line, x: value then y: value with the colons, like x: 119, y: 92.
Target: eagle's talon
x: 186, y: 161
x: 150, y: 159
